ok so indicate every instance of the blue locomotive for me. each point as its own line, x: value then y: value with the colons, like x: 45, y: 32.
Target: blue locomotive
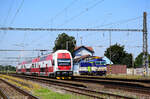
x: 93, y: 66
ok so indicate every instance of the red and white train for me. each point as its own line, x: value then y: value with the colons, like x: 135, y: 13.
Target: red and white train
x: 58, y: 64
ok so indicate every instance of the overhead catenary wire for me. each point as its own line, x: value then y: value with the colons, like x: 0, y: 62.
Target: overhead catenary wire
x: 67, y: 7
x: 82, y: 12
x: 17, y: 11
x: 67, y: 29
x: 119, y: 22
x: 17, y: 57
x: 54, y: 17
x: 9, y: 10
x: 6, y: 18
x: 1, y: 50
x: 14, y: 17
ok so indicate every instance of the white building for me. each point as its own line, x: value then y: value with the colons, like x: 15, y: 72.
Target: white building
x: 79, y: 53
x: 82, y: 50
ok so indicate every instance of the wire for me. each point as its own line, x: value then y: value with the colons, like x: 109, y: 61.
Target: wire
x: 9, y: 10
x: 52, y: 19
x: 70, y: 4
x: 5, y: 20
x: 82, y: 12
x: 119, y: 22
x: 5, y: 32
x: 13, y: 19
x: 63, y: 10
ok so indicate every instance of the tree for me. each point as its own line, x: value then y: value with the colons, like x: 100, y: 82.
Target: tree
x: 8, y: 67
x: 139, y: 60
x: 118, y: 55
x: 63, y: 41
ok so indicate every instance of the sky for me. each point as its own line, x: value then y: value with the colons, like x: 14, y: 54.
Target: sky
x: 103, y: 14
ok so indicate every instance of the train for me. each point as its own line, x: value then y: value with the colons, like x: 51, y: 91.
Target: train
x: 56, y: 65
x: 93, y: 66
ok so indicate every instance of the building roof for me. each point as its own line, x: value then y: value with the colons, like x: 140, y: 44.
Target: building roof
x: 80, y: 58
x: 86, y: 47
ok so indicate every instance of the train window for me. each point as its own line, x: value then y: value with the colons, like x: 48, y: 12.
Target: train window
x: 103, y: 63
x: 97, y: 62
x: 64, y: 62
x: 42, y: 69
x: 32, y: 65
x: 53, y: 63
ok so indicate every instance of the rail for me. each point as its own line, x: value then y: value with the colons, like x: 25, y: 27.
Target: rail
x: 3, y: 95
x: 30, y: 96
x: 64, y: 85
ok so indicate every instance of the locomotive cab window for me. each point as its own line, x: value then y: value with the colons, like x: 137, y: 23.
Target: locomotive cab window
x: 97, y: 62
x: 103, y: 62
x: 64, y: 62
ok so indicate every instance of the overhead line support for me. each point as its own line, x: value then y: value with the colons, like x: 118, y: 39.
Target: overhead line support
x: 145, y: 45
x: 21, y: 50
x: 67, y: 29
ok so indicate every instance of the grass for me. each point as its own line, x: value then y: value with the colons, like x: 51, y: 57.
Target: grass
x: 38, y: 90
x: 45, y: 93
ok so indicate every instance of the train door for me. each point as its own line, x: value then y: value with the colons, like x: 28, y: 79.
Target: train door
x: 46, y: 70
x: 39, y: 69
x: 32, y: 69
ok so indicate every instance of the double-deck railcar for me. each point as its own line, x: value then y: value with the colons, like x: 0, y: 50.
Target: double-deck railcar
x: 58, y: 65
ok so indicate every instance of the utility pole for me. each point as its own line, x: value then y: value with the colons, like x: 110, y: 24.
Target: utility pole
x: 110, y: 51
x: 81, y: 40
x: 67, y: 45
x: 145, y: 45
x: 132, y: 64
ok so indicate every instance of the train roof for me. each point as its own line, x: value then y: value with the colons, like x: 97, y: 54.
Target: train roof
x: 43, y: 58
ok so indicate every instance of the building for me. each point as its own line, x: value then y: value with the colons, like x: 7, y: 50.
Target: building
x: 80, y: 53
x: 83, y: 50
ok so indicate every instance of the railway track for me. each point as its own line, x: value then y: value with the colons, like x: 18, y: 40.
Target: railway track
x: 131, y: 85
x: 115, y: 79
x: 75, y: 87
x: 9, y: 91
x: 2, y: 94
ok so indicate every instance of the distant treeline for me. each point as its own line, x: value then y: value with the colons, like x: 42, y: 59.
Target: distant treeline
x: 8, y: 67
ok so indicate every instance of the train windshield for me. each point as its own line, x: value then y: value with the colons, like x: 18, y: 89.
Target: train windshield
x: 64, y: 62
x: 100, y: 62
x: 103, y: 63
x: 97, y: 62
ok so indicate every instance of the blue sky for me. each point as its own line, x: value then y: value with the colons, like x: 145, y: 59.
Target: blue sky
x: 72, y: 14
